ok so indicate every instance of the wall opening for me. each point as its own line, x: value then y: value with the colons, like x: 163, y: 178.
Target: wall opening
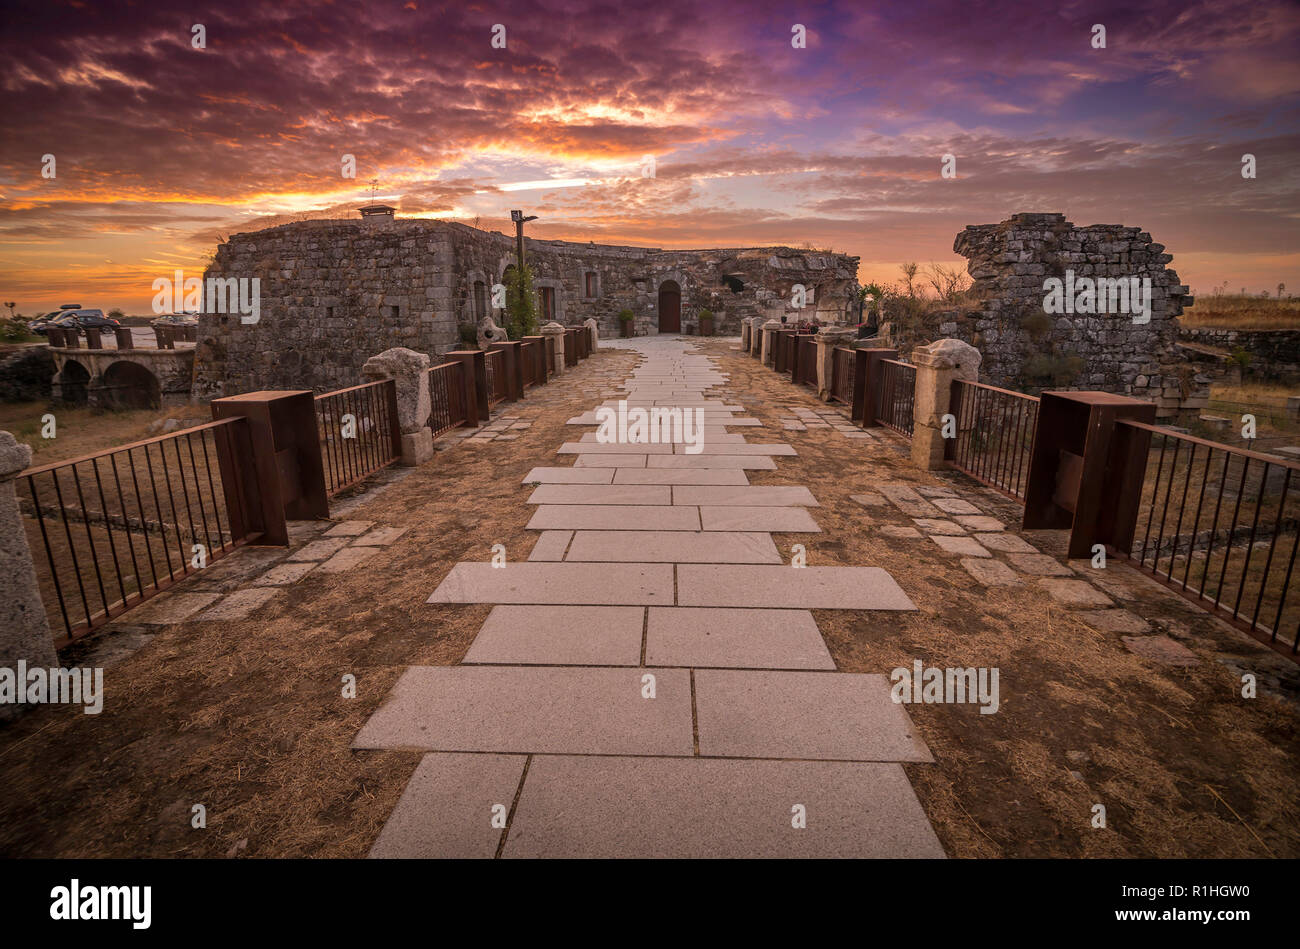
x: 128, y: 385
x: 74, y: 382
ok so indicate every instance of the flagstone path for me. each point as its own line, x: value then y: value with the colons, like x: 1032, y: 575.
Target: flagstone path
x: 650, y: 682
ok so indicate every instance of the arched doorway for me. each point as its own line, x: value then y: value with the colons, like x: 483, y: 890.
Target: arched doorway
x: 670, y: 307
x: 74, y: 380
x: 128, y: 385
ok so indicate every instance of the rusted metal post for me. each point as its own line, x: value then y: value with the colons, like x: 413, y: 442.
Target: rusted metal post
x: 473, y: 364
x: 1069, y: 485
x: 512, y: 364
x: 871, y: 382
x: 537, y: 352
x: 290, y: 474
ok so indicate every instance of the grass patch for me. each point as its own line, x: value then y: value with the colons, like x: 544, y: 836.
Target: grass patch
x: 1242, y: 312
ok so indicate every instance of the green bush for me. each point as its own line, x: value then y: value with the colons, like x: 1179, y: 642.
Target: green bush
x: 521, y: 308
x: 626, y: 316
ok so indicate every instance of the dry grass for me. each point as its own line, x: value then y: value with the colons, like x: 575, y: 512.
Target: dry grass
x: 1237, y: 312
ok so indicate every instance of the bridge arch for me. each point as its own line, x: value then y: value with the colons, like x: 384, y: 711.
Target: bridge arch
x: 129, y: 385
x: 74, y: 382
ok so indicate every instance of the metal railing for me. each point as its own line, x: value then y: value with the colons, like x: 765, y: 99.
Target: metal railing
x: 842, y: 375
x: 807, y: 366
x: 118, y: 526
x: 358, y: 432
x: 494, y: 361
x: 446, y: 397
x: 528, y: 358
x: 1221, y: 525
x: 994, y: 436
x: 895, y: 396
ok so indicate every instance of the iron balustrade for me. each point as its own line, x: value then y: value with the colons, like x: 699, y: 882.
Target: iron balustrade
x: 994, y: 436
x: 895, y: 395
x: 446, y: 398
x: 118, y: 526
x: 1221, y: 526
x: 358, y: 432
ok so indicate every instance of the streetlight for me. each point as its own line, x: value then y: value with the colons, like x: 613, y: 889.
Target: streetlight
x: 520, y: 221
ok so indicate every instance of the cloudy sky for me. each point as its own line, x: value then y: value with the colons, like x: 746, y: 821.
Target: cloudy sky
x: 160, y: 147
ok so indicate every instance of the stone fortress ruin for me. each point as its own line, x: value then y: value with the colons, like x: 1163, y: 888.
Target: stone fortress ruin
x: 335, y: 292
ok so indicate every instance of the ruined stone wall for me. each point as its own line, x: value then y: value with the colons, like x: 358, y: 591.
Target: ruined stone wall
x: 334, y: 293
x: 1273, y: 354
x: 1024, y: 346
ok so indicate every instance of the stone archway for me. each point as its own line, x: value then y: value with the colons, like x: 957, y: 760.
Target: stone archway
x: 670, y: 307
x: 74, y: 383
x: 129, y: 385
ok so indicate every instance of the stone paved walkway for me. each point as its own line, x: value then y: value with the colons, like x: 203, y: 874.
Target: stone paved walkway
x: 651, y: 683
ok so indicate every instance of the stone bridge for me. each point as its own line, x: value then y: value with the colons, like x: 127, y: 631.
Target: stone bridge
x: 123, y: 378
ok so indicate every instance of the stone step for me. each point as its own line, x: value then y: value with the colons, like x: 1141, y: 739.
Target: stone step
x: 612, y: 517
x: 754, y: 462
x: 607, y: 807
x: 735, y: 638
x: 776, y: 519
x: 734, y: 476
x: 750, y: 496
x: 534, y: 709
x: 808, y: 588
x: 673, y: 547
x: 601, y: 494
x: 569, y: 476
x: 560, y: 636
x: 839, y: 716
x: 606, y: 584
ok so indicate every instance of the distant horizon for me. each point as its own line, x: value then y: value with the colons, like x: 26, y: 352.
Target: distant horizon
x: 682, y: 126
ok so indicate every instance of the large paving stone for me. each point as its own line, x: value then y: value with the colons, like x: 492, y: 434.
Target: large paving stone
x: 735, y: 476
x: 828, y: 715
x: 551, y: 545
x: 171, y: 608
x: 1009, y: 543
x: 446, y: 810
x: 746, y: 449
x: 1039, y: 565
x: 750, y: 496
x: 735, y: 638
x: 611, y: 517
x: 324, y: 548
x: 538, y: 709
x: 569, y: 476
x: 753, y: 462
x: 1075, y: 593
x: 238, y: 605
x: 592, y: 807
x: 674, y: 547
x: 776, y: 519
x: 560, y: 636
x: 613, y: 448
x: 805, y: 588
x: 606, y: 584
x: 963, y: 546
x: 601, y: 494
x: 348, y: 558
x: 612, y: 461
x: 991, y: 573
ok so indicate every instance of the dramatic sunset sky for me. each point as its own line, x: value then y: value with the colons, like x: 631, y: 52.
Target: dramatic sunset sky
x: 160, y: 147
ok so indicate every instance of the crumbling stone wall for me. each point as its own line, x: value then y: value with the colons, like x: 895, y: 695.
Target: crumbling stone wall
x: 1023, y: 346
x: 334, y: 293
x: 1274, y: 354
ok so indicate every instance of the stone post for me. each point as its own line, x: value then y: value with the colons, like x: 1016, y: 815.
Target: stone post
x: 770, y: 329
x: 409, y: 371
x: 827, y: 340
x: 745, y: 330
x: 937, y: 365
x: 555, y: 331
x: 594, y: 330
x: 24, y: 630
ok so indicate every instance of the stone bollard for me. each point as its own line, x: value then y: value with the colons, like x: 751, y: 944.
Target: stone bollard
x: 937, y: 365
x: 24, y: 630
x: 770, y: 330
x: 409, y: 371
x: 827, y: 340
x: 594, y: 330
x: 555, y: 331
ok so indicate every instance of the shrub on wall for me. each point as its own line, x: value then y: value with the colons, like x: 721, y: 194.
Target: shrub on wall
x: 521, y: 307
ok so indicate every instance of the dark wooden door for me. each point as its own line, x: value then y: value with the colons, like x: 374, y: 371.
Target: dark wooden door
x: 670, y: 307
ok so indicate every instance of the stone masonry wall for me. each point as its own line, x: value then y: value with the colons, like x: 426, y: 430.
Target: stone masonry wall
x: 1025, y: 346
x: 1273, y: 353
x: 334, y: 293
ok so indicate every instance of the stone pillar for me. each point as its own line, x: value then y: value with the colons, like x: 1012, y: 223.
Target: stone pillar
x: 937, y: 365
x: 827, y: 340
x: 24, y: 630
x: 555, y: 331
x: 770, y: 329
x: 409, y: 371
x: 745, y: 330
x: 594, y: 330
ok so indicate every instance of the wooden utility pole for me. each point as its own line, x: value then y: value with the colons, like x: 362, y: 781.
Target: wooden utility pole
x: 520, y: 221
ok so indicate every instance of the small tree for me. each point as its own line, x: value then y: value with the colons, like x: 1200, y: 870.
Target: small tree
x: 909, y: 270
x: 521, y: 307
x: 116, y: 314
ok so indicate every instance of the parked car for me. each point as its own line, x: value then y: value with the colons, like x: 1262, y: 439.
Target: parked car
x: 41, y: 324
x: 93, y: 319
x: 176, y: 319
